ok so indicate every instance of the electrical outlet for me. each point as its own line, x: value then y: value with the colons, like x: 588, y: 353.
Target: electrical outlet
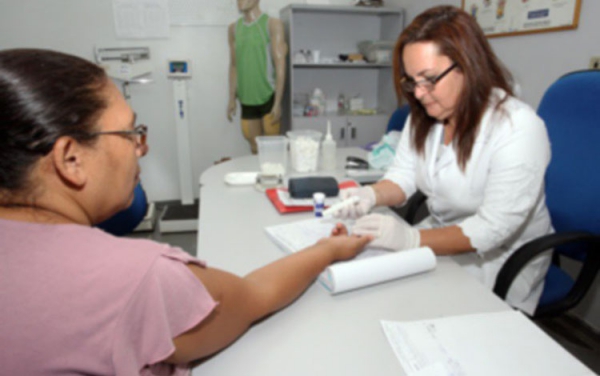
x: 595, y: 62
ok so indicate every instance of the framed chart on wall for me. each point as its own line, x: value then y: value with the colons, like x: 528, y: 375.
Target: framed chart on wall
x: 513, y: 17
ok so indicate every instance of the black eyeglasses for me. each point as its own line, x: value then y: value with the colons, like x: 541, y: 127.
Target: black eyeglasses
x: 138, y: 134
x: 409, y: 85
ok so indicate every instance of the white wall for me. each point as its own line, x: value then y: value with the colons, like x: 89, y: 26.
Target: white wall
x: 75, y: 26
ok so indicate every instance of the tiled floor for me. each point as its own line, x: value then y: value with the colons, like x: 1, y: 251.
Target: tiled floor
x: 574, y: 336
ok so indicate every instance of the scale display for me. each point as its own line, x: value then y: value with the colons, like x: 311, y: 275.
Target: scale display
x: 180, y: 69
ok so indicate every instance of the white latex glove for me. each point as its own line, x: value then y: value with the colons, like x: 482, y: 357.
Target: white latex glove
x: 360, y: 208
x: 388, y: 232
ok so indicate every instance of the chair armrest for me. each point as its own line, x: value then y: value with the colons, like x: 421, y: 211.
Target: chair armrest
x: 415, y: 202
x: 528, y: 251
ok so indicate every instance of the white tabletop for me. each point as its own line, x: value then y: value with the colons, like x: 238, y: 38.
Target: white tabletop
x: 319, y: 334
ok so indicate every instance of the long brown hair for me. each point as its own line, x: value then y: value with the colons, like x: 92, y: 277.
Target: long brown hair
x: 459, y: 37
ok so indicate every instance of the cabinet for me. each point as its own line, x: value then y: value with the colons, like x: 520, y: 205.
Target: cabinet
x: 334, y: 30
x: 347, y: 130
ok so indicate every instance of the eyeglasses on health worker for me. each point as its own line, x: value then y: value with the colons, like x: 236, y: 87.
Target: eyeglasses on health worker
x: 477, y: 152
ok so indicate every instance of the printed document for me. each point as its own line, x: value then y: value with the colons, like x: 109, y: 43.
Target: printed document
x: 491, y: 344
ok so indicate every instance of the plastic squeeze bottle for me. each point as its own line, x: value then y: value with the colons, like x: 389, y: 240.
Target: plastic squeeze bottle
x: 328, y: 150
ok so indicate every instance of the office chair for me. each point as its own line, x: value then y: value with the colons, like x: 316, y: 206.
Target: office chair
x: 125, y: 221
x: 395, y: 123
x: 398, y: 118
x: 572, y: 115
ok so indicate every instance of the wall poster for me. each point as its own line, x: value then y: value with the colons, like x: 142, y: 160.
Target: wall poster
x: 512, y: 17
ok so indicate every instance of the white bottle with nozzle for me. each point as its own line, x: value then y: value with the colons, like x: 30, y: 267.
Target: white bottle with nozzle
x: 328, y: 150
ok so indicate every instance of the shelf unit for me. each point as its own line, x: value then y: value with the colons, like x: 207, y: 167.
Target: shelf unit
x: 335, y: 30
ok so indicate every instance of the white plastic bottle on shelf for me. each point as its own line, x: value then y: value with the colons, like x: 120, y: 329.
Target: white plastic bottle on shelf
x: 318, y: 100
x: 328, y: 150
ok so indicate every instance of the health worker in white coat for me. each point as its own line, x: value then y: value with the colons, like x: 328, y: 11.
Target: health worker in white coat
x: 478, y: 153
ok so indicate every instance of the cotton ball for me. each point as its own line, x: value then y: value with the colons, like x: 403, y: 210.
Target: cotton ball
x: 306, y: 154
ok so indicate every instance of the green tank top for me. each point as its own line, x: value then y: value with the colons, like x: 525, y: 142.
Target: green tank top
x: 254, y: 64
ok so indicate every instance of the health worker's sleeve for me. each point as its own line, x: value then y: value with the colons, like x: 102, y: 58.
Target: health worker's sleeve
x: 402, y: 171
x: 515, y: 182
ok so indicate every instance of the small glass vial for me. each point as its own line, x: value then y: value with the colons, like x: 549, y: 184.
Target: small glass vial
x: 319, y: 203
x: 341, y: 103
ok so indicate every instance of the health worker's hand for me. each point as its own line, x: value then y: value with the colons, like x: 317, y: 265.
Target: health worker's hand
x: 388, y: 232
x: 366, y: 202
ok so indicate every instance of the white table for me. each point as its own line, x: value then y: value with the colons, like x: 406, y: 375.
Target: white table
x: 319, y: 334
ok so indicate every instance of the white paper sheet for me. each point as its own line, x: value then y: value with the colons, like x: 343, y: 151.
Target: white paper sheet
x: 203, y: 12
x: 141, y: 19
x: 370, y: 267
x: 491, y: 344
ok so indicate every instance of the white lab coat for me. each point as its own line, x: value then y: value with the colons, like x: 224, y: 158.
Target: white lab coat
x: 498, y: 201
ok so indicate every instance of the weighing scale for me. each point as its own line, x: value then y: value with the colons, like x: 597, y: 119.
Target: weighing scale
x: 181, y: 216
